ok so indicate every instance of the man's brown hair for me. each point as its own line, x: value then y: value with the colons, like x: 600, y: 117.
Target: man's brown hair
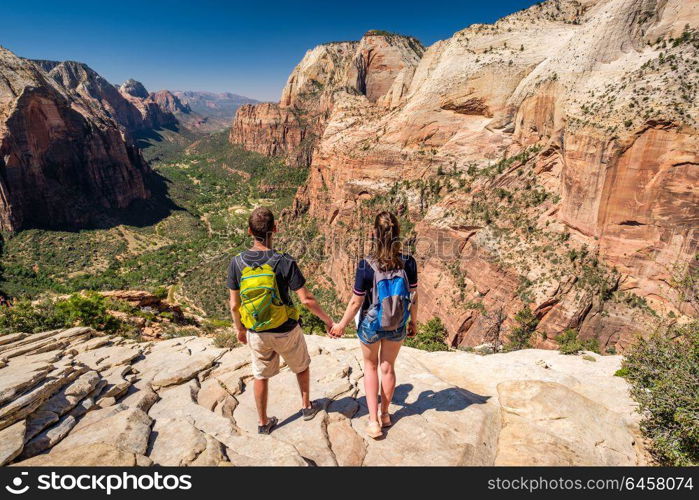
x: 261, y: 223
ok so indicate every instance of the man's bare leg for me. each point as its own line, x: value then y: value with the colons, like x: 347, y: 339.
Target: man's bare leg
x: 261, y: 388
x: 304, y: 380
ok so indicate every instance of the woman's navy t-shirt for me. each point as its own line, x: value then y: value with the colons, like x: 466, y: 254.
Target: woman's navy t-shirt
x: 364, y: 278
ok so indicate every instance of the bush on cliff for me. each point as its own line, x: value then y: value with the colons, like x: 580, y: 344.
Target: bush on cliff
x: 431, y: 336
x: 521, y: 334
x: 570, y: 343
x: 80, y: 309
x: 663, y: 371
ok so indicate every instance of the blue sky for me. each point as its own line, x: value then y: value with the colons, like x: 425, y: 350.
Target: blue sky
x: 244, y: 47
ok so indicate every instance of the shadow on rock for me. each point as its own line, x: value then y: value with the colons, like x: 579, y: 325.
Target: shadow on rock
x: 452, y: 399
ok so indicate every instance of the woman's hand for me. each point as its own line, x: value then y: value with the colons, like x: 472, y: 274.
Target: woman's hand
x: 337, y: 330
x: 412, y: 329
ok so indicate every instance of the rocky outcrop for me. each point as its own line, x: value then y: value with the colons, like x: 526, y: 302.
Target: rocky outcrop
x: 62, y: 159
x: 134, y: 88
x: 377, y: 67
x: 82, y: 79
x: 170, y: 102
x: 183, y: 402
x: 547, y: 161
x: 150, y: 106
x: 131, y: 106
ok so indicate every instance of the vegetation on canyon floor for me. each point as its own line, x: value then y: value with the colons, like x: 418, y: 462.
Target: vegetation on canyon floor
x: 213, y: 186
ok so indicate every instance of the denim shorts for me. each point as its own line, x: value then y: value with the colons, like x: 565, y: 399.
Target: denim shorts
x: 368, y: 336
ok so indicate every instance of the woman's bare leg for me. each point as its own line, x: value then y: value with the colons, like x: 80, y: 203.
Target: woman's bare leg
x: 389, y: 353
x: 371, y: 378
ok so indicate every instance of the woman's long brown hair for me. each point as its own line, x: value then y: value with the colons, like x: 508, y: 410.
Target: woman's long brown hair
x: 387, y: 245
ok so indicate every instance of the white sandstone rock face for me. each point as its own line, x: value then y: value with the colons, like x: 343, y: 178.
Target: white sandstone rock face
x: 94, y: 400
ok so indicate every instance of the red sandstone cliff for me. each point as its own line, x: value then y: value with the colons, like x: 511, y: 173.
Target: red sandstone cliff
x: 62, y: 158
x: 548, y: 161
x: 377, y: 66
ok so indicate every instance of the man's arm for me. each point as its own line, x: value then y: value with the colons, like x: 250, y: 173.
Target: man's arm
x: 307, y: 299
x: 235, y: 312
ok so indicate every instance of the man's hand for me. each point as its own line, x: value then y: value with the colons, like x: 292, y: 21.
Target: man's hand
x: 242, y: 336
x: 337, y: 331
x: 412, y: 329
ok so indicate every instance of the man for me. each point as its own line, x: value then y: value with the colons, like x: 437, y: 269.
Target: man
x: 259, y: 280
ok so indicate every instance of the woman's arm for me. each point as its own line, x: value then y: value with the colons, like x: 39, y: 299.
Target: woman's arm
x: 355, y: 303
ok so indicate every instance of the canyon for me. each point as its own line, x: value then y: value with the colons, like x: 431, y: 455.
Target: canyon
x: 545, y: 170
x: 68, y: 140
x: 548, y: 162
x: 61, y: 157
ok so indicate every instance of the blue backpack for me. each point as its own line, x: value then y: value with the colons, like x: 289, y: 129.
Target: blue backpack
x: 390, y: 307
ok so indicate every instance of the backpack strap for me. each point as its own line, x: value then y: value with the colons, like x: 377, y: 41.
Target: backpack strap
x: 272, y: 261
x: 275, y: 259
x: 374, y: 267
x: 240, y: 262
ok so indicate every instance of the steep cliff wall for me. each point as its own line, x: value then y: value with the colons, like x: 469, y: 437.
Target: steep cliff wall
x: 546, y: 162
x: 376, y: 67
x: 62, y: 159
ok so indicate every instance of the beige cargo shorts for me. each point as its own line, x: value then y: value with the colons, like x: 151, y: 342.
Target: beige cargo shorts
x: 267, y: 347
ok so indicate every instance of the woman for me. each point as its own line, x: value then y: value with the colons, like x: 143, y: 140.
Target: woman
x: 392, y: 309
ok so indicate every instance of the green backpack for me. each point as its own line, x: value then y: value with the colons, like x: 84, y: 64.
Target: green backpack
x: 261, y: 305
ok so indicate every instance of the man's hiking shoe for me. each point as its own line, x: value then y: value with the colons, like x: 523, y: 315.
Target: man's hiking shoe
x: 267, y: 428
x: 309, y: 413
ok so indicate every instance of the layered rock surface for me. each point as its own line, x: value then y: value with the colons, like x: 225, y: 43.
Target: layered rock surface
x: 62, y: 158
x: 548, y: 161
x: 66, y: 399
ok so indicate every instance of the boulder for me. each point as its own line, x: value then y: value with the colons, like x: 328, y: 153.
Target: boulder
x: 12, y: 441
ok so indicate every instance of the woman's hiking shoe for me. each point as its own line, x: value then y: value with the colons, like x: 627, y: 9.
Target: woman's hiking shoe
x: 386, y: 420
x: 267, y: 428
x: 309, y: 413
x: 373, y: 429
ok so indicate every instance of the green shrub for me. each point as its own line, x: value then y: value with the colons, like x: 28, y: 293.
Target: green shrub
x: 570, y: 343
x: 161, y: 292
x: 663, y: 372
x: 80, y: 309
x: 431, y: 336
x: 520, y: 335
x: 23, y: 316
x: 226, y: 339
x: 87, y: 309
